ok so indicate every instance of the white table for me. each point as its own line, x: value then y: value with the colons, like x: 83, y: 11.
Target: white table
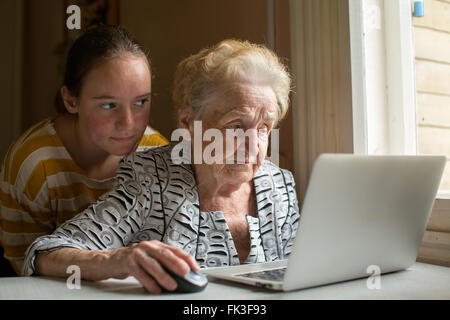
x: 421, y: 281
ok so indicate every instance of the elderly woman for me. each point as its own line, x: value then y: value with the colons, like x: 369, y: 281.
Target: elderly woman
x: 186, y: 216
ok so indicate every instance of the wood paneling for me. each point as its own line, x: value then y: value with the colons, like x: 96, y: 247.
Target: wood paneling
x: 437, y: 13
x: 434, y: 255
x: 435, y: 248
x: 432, y: 77
x: 432, y: 45
x: 433, y: 109
x: 440, y: 219
x: 434, y: 140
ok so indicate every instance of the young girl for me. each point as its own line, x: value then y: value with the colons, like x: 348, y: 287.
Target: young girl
x: 62, y: 164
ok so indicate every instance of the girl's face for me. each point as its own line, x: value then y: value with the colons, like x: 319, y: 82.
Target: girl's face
x: 114, y: 105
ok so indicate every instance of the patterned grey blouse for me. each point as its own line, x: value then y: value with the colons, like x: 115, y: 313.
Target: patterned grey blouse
x: 156, y: 199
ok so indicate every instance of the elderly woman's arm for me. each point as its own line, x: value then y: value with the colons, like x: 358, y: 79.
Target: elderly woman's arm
x: 105, y: 240
x: 142, y: 260
x: 55, y: 263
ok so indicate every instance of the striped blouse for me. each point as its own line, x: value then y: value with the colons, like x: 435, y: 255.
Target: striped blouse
x: 41, y: 186
x: 156, y: 199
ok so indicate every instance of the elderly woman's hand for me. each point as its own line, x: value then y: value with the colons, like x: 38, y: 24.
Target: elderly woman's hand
x: 144, y: 261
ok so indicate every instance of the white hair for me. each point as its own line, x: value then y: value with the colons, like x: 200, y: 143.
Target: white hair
x: 199, y: 77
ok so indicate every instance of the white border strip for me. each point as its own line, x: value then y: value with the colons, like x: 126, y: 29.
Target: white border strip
x: 400, y: 77
x: 358, y: 74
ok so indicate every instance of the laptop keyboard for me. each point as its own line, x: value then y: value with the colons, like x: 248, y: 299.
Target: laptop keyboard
x: 273, y: 274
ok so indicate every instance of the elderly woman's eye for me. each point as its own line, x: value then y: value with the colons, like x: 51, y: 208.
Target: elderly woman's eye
x: 234, y: 126
x: 263, y: 130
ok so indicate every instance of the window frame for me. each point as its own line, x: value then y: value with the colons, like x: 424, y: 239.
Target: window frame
x: 383, y: 85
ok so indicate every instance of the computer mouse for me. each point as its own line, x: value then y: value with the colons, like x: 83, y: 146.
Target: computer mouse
x: 191, y: 282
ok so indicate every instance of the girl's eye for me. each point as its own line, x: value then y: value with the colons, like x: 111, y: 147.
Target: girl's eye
x: 142, y: 102
x: 108, y: 106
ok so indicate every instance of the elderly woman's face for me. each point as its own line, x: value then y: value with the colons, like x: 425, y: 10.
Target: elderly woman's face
x: 251, y: 108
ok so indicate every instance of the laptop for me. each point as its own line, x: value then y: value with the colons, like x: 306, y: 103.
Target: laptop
x: 360, y: 213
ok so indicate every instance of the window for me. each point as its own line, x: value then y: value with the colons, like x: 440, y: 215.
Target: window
x: 382, y: 77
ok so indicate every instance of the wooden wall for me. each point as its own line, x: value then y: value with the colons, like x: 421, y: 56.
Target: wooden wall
x: 435, y: 247
x: 432, y: 50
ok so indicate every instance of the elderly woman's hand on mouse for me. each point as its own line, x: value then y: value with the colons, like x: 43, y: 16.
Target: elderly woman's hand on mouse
x: 144, y: 261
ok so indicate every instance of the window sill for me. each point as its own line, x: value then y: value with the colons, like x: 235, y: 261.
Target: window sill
x: 443, y: 194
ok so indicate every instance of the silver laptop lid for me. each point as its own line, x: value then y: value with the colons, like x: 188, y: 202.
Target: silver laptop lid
x: 362, y: 211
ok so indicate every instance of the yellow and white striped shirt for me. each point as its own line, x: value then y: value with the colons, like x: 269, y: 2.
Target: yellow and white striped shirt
x: 41, y: 186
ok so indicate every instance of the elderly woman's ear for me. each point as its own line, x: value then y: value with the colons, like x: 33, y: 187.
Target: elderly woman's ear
x: 184, y: 118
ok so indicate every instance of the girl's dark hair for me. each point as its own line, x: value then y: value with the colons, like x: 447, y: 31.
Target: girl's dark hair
x: 101, y: 42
